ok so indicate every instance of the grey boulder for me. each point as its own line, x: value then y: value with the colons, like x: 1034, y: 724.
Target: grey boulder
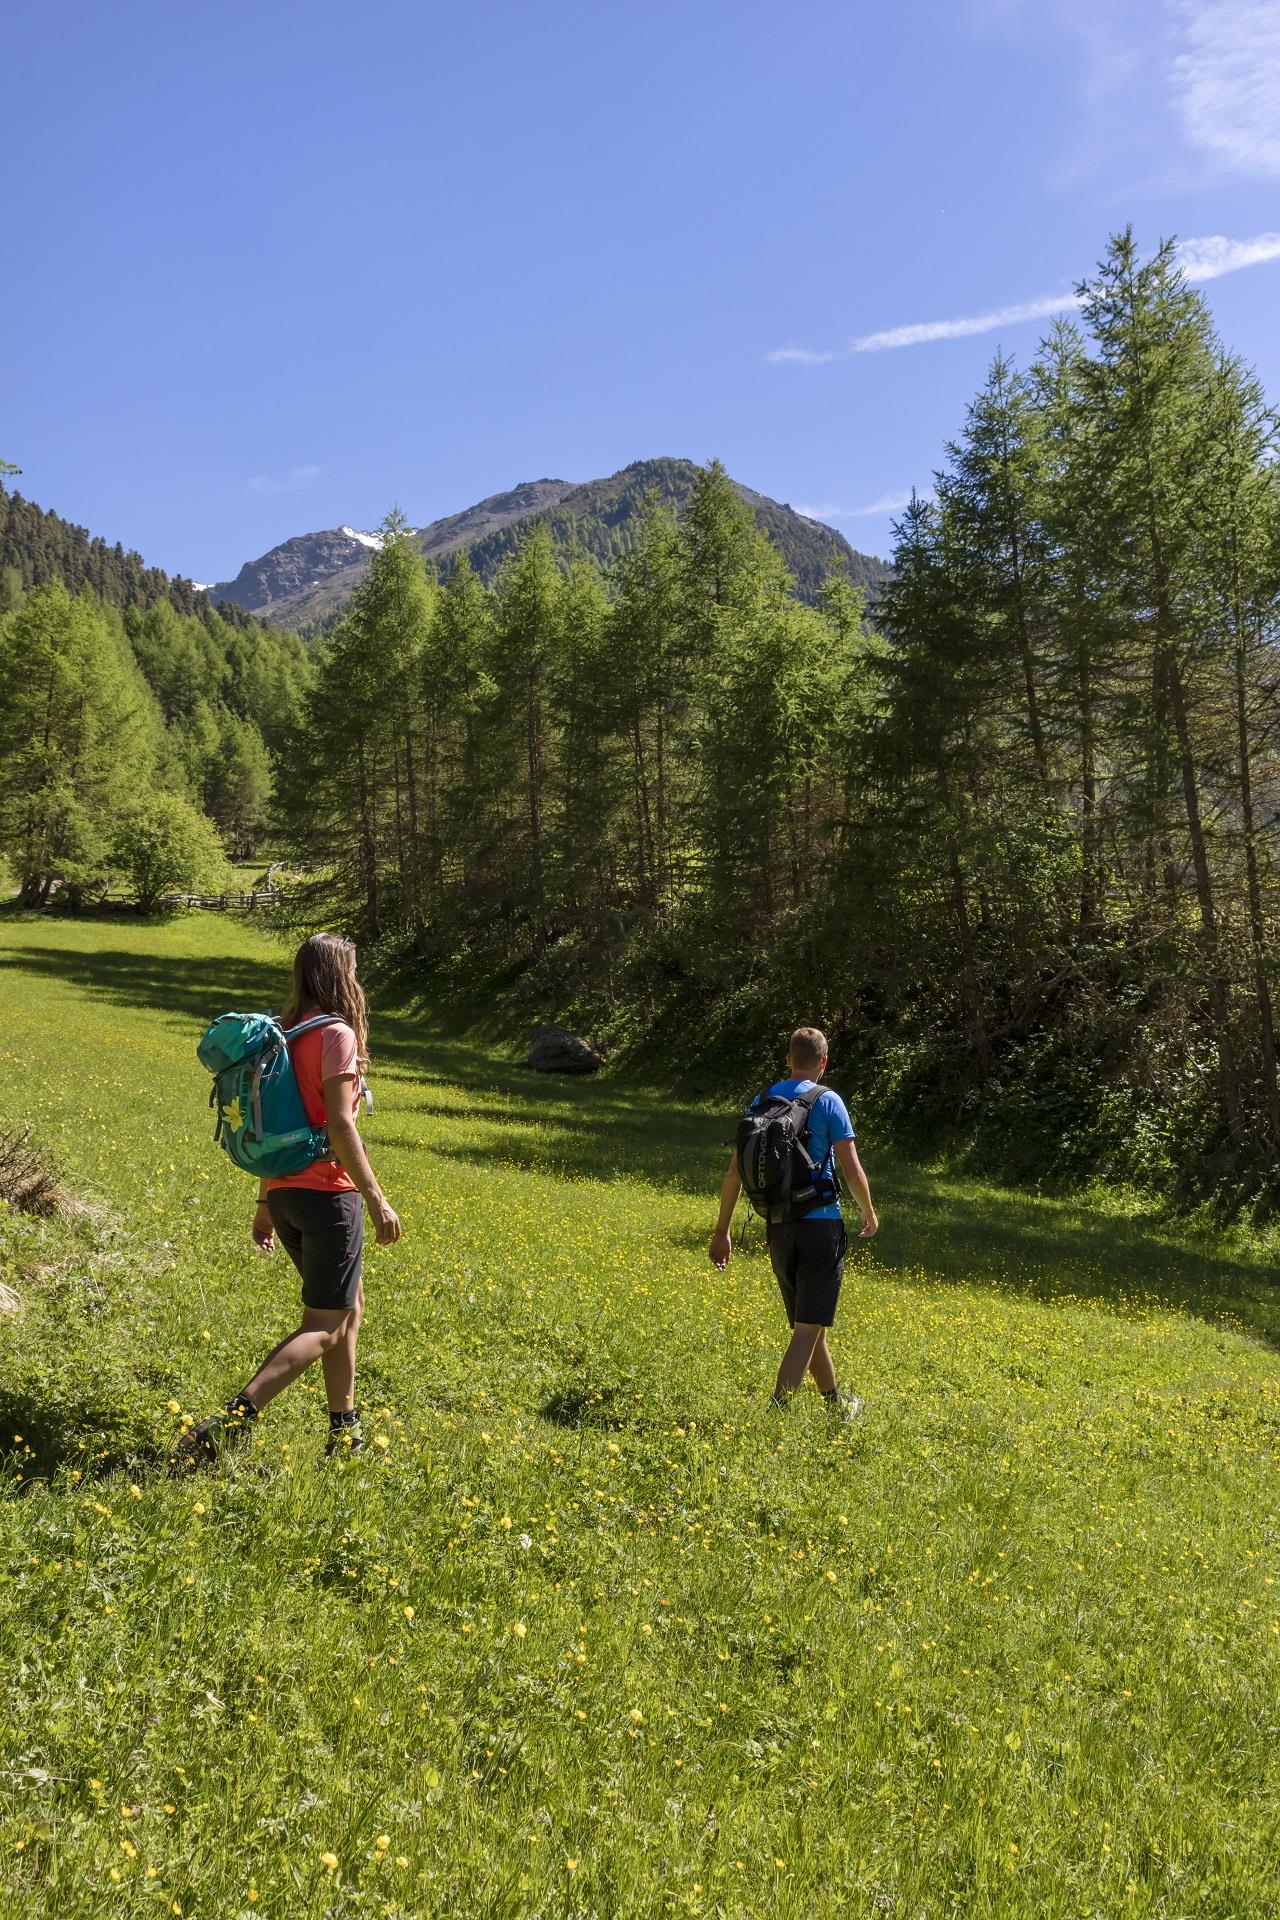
x: 556, y: 1050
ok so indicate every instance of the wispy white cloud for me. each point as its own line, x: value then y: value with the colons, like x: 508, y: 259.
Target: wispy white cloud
x: 1214, y: 255
x: 1204, y: 259
x: 1226, y: 80
x: 292, y: 482
x: 887, y: 503
x: 806, y: 356
x: 922, y: 331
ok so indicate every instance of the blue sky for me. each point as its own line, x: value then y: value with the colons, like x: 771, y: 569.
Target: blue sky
x: 274, y: 266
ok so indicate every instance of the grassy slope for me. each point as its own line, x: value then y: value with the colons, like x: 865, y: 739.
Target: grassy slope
x: 593, y: 1634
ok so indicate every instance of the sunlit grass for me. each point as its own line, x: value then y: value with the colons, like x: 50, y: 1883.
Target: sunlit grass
x: 590, y: 1631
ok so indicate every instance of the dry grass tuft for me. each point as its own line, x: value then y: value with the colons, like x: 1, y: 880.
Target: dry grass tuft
x: 28, y: 1178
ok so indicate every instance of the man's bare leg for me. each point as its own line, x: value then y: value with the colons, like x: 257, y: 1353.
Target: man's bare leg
x: 795, y: 1361
x: 821, y: 1365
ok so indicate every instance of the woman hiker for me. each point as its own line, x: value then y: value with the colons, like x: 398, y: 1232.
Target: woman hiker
x: 316, y: 1214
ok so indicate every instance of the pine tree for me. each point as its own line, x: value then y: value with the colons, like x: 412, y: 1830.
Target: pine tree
x: 350, y: 770
x: 76, y: 741
x: 589, y: 770
x: 1150, y: 378
x: 527, y: 635
x: 651, y: 660
x: 237, y: 783
x: 473, y: 770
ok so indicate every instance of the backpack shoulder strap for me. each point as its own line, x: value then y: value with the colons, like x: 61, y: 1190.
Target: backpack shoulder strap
x: 316, y: 1020
x: 330, y: 1020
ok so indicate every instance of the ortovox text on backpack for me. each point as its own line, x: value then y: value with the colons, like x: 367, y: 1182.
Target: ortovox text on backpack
x: 779, y: 1176
x: 261, y: 1120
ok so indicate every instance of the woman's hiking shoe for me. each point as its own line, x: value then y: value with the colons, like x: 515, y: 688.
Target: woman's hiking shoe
x: 346, y: 1435
x: 202, y: 1444
x: 845, y: 1407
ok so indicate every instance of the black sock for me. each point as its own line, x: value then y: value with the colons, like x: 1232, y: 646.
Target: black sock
x: 348, y: 1417
x: 832, y: 1393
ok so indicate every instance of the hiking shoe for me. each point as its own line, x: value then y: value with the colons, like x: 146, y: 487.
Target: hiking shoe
x: 201, y: 1445
x: 348, y: 1438
x: 844, y: 1407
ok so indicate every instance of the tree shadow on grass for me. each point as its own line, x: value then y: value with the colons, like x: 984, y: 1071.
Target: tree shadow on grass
x: 1052, y: 1251
x: 591, y: 1129
x: 41, y: 1436
x: 196, y: 989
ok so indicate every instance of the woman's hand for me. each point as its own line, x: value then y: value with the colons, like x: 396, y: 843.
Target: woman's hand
x: 264, y: 1232
x: 386, y: 1222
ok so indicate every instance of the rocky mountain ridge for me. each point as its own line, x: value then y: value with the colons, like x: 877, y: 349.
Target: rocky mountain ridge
x: 308, y: 578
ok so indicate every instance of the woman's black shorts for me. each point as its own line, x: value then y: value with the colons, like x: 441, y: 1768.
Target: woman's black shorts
x: 808, y: 1262
x: 323, y: 1235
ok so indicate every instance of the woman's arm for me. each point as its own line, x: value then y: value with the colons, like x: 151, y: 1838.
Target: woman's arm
x: 348, y: 1151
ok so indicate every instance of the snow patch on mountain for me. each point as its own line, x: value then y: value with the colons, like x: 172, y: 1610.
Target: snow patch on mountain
x: 373, y: 540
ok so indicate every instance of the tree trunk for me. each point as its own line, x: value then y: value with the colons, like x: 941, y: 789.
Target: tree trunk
x: 1253, y: 882
x: 1089, y: 890
x: 1229, y: 1072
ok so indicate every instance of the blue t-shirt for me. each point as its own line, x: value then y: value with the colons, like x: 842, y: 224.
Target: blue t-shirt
x: 828, y: 1122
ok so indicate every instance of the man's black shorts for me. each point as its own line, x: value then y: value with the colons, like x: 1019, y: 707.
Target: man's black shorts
x: 808, y: 1261
x: 323, y: 1235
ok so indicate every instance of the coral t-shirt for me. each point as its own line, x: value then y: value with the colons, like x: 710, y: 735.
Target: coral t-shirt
x: 317, y: 1056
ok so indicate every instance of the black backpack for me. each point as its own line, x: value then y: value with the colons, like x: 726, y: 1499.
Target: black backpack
x: 779, y: 1177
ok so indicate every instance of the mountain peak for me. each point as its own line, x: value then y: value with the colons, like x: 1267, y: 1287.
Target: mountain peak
x: 311, y: 576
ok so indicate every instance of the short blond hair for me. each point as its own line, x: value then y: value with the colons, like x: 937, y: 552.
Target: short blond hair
x: 808, y: 1047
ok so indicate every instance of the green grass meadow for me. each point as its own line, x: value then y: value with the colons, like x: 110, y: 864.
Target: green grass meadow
x: 590, y: 1631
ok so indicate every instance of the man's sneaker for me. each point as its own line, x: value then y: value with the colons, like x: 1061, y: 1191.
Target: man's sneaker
x: 844, y: 1407
x: 201, y: 1445
x: 348, y: 1438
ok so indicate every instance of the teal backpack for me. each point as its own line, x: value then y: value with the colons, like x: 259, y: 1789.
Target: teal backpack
x: 261, y: 1120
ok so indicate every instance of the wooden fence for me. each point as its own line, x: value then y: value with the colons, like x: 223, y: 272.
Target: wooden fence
x: 253, y: 902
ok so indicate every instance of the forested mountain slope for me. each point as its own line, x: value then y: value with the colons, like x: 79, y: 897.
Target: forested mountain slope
x: 132, y: 707
x: 37, y: 546
x: 308, y: 578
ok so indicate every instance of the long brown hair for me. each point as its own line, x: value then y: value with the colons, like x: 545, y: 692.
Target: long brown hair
x: 324, y: 981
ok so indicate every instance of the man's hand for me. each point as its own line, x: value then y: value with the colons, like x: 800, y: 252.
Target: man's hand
x: 386, y: 1222
x: 721, y: 1247
x: 852, y: 1169
x: 264, y: 1233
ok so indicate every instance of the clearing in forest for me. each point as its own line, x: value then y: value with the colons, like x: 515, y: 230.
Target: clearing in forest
x: 590, y: 1631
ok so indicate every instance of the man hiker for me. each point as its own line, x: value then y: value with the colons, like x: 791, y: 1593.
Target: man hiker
x: 806, y: 1235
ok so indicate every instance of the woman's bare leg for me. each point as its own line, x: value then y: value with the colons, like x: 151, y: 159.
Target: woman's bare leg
x: 339, y: 1362
x: 321, y: 1331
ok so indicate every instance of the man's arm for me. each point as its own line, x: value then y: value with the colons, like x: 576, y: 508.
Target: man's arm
x: 856, y: 1179
x: 721, y: 1240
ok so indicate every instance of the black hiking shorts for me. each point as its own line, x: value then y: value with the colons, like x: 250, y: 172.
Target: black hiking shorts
x: 323, y: 1235
x: 808, y: 1263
